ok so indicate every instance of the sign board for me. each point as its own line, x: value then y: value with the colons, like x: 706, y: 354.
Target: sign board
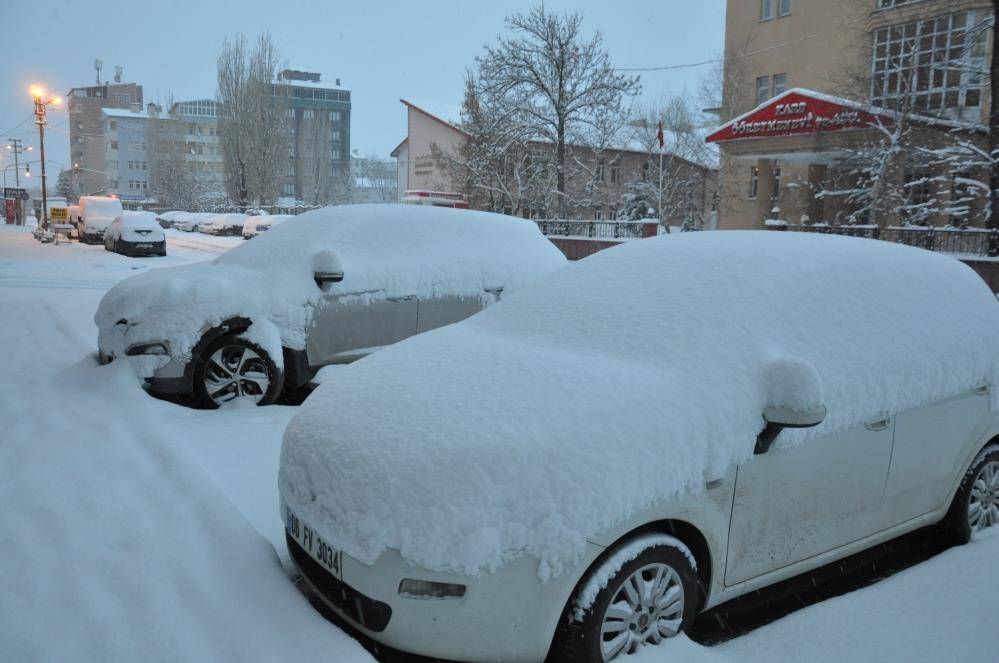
x: 10, y: 210
x: 11, y: 192
x: 798, y: 112
x: 57, y: 214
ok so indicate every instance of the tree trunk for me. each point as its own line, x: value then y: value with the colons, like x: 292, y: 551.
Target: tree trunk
x: 993, y: 220
x: 560, y: 168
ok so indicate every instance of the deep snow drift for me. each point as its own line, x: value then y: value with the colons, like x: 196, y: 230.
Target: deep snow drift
x: 385, y: 251
x: 620, y: 381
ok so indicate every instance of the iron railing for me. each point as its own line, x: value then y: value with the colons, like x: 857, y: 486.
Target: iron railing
x: 967, y: 241
x: 592, y: 229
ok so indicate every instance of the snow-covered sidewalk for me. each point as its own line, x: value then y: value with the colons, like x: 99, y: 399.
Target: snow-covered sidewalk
x: 115, y: 542
x: 134, y: 529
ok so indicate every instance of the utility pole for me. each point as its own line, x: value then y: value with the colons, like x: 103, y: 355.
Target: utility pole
x: 40, y: 110
x: 15, y: 146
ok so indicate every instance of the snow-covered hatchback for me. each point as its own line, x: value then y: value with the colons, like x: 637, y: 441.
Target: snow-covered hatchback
x: 662, y: 427
x: 327, y: 287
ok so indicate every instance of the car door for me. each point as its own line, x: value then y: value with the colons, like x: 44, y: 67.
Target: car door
x: 436, y: 312
x: 795, y: 502
x: 350, y: 325
x: 931, y: 442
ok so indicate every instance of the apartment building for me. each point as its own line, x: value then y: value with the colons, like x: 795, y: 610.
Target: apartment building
x: 811, y: 84
x: 88, y: 145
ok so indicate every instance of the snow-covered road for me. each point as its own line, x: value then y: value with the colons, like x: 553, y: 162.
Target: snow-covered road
x: 133, y: 528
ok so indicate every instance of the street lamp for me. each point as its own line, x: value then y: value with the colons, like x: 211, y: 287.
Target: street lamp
x: 42, y: 101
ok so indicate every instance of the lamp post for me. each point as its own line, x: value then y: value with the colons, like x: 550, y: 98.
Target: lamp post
x: 42, y: 101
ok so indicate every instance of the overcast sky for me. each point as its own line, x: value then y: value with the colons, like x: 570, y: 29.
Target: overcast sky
x: 381, y: 50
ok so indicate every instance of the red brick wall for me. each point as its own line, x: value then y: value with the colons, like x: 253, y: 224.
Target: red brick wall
x: 577, y: 249
x: 987, y: 269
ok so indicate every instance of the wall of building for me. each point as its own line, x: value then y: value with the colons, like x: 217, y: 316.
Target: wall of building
x: 88, y: 146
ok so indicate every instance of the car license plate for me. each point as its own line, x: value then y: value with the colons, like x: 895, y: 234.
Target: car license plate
x: 328, y: 557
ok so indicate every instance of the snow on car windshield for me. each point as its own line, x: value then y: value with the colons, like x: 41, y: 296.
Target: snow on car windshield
x: 102, y: 206
x: 619, y: 382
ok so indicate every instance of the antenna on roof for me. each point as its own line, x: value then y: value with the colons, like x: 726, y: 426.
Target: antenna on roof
x: 98, y: 65
x: 117, y: 73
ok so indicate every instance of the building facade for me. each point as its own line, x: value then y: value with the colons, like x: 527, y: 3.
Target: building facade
x: 604, y: 184
x: 198, y: 120
x: 812, y: 89
x: 88, y: 145
x: 318, y: 123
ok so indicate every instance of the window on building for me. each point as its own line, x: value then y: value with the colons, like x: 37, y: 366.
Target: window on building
x: 780, y: 84
x: 290, y: 170
x: 766, y: 10
x: 335, y: 115
x: 932, y: 65
x: 143, y: 165
x: 919, y: 187
x: 598, y: 214
x: 598, y: 175
x: 336, y: 154
x: 112, y: 145
x: 777, y: 176
x: 289, y: 189
x: 762, y: 89
x: 646, y: 168
x: 885, y: 4
x: 308, y: 114
x: 336, y: 135
x: 784, y: 7
x: 615, y: 173
x: 289, y: 113
x: 754, y: 182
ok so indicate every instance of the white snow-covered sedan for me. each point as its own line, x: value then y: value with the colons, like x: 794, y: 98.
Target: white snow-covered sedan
x: 579, y: 470
x: 327, y: 287
x: 135, y: 234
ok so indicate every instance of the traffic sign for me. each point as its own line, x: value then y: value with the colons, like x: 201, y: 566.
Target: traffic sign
x: 11, y: 192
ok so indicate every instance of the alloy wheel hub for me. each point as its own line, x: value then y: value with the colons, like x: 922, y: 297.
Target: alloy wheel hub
x: 983, y: 503
x: 646, y: 609
x: 234, y: 371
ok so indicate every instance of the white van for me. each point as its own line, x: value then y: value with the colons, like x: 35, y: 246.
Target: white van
x: 96, y: 214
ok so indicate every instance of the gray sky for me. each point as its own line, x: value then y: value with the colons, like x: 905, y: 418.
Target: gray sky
x: 381, y: 50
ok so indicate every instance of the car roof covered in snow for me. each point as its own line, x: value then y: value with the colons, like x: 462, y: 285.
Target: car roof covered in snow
x: 138, y: 220
x: 383, y: 251
x: 100, y: 206
x: 621, y: 381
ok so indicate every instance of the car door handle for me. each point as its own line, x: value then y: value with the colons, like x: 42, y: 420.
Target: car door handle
x: 981, y: 391
x: 495, y: 290
x: 880, y: 424
x: 404, y: 298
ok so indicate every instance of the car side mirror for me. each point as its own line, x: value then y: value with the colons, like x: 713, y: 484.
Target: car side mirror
x: 795, y: 392
x: 327, y: 268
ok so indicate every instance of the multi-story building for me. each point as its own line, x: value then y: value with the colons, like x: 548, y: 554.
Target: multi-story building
x: 88, y: 146
x: 318, y: 115
x: 812, y: 86
x: 127, y: 135
x: 199, y: 132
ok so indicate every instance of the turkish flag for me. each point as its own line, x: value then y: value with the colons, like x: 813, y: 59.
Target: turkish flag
x: 660, y: 137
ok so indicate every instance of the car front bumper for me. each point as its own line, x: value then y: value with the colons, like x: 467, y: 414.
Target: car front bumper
x: 505, y: 615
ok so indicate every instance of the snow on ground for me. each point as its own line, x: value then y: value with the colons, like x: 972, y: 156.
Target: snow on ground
x: 128, y: 527
x: 131, y: 528
x: 940, y: 610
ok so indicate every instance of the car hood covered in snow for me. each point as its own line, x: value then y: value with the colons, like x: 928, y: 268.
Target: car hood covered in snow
x: 384, y: 251
x: 619, y: 382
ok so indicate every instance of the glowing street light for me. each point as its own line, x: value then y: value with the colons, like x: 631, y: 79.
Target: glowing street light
x: 38, y: 93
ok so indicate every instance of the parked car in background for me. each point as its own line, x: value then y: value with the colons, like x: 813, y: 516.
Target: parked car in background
x: 189, y: 221
x: 327, y: 287
x: 227, y: 225
x: 135, y: 234
x: 96, y: 214
x: 262, y: 223
x: 655, y: 430
x: 206, y: 224
x: 166, y: 219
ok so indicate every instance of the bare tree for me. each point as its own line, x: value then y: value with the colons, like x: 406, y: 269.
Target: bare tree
x: 378, y: 181
x: 172, y: 178
x: 993, y: 218
x: 551, y: 82
x: 251, y: 121
x: 316, y: 146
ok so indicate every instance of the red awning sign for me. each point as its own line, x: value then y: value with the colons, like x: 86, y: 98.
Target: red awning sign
x: 799, y: 112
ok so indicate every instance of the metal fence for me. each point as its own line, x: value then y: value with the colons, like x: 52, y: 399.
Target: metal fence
x: 592, y: 229
x: 968, y: 241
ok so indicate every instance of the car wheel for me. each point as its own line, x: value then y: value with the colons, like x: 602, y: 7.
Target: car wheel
x: 649, y: 599
x: 233, y: 367
x: 976, y: 504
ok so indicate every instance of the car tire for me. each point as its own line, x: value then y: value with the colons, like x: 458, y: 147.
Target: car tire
x: 976, y: 503
x: 602, y: 634
x: 231, y: 367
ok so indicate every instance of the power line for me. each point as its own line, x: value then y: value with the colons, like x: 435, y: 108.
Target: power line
x: 20, y: 124
x: 717, y: 60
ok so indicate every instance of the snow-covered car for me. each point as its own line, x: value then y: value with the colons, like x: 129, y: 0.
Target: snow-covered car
x: 206, y: 225
x: 189, y: 221
x: 96, y: 214
x: 262, y: 223
x: 166, y: 219
x: 227, y: 225
x: 327, y: 287
x: 645, y: 434
x: 135, y: 234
